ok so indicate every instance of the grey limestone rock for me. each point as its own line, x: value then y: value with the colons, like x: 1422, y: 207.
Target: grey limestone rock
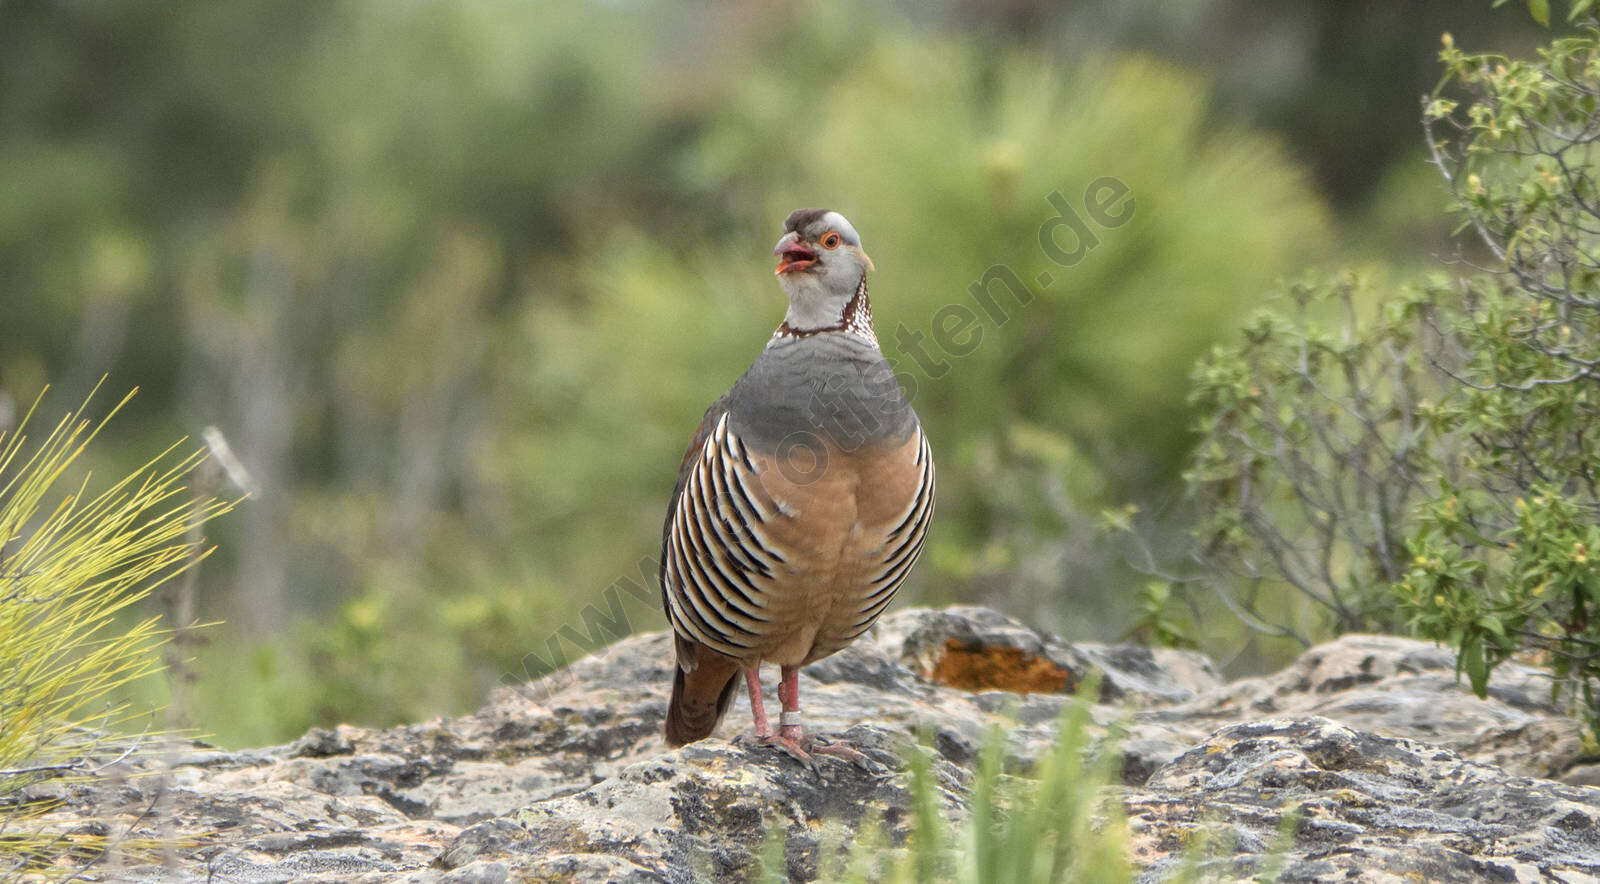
x: 1388, y: 768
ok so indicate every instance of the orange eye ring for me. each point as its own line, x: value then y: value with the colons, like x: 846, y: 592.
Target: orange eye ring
x: 830, y: 240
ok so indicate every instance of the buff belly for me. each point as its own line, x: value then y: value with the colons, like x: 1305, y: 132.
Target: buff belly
x: 837, y: 542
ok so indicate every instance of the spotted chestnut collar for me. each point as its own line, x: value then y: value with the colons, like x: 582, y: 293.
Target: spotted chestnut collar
x: 856, y: 320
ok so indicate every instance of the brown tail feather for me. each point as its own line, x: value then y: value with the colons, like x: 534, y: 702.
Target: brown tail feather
x: 699, y: 700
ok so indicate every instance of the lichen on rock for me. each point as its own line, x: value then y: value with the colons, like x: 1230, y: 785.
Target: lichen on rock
x: 1389, y: 768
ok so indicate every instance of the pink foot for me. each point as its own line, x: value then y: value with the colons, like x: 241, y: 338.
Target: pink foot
x: 796, y: 749
x: 791, y: 739
x: 805, y: 749
x: 845, y: 751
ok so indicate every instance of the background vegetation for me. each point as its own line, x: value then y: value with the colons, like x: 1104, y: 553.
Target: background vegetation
x: 456, y: 280
x: 75, y: 558
x: 1433, y: 468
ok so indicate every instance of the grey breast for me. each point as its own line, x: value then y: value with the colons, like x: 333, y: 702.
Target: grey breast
x: 832, y: 388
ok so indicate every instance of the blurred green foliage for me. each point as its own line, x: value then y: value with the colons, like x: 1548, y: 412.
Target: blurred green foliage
x: 456, y: 281
x: 1028, y: 423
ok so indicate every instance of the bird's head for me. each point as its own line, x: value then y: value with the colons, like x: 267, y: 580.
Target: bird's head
x: 820, y: 265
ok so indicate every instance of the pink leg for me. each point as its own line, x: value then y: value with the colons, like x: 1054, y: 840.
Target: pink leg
x: 787, y: 739
x: 791, y: 737
x: 752, y: 679
x: 789, y: 696
x: 789, y: 693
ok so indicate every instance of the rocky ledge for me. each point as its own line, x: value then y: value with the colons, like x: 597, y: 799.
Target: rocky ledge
x: 1389, y: 769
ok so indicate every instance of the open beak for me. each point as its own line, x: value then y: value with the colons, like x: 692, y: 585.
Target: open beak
x: 792, y: 256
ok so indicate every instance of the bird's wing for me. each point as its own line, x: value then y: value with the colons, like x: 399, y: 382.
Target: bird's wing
x: 720, y: 554
x: 696, y: 448
x: 704, y: 680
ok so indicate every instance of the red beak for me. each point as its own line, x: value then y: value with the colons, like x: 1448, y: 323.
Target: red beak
x: 792, y: 256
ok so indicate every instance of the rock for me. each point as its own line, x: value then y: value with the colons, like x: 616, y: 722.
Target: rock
x: 720, y: 800
x: 1363, y: 808
x: 321, y: 743
x: 1394, y: 769
x: 1405, y: 688
x: 1583, y: 775
x: 483, y: 872
x: 976, y: 648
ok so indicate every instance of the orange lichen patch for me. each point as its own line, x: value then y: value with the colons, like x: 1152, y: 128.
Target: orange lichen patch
x: 973, y: 668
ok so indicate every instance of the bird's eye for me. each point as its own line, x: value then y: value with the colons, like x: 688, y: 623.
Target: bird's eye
x: 830, y: 240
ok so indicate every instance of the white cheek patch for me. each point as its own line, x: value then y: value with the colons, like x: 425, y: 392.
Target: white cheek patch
x: 846, y: 230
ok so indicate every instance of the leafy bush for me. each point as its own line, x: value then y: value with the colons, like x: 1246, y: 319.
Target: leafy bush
x: 1502, y: 561
x: 72, y: 566
x: 1449, y: 449
x: 1315, y: 447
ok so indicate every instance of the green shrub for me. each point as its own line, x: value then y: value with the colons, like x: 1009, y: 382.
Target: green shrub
x: 1501, y: 562
x: 1062, y: 823
x: 1438, y: 467
x: 73, y: 564
x: 1315, y: 447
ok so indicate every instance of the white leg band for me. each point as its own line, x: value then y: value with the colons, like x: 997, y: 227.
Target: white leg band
x: 788, y: 719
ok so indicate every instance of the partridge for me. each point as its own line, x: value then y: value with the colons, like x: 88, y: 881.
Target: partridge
x: 801, y: 504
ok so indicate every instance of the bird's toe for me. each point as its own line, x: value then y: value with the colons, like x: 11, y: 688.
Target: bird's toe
x: 795, y: 749
x: 846, y: 752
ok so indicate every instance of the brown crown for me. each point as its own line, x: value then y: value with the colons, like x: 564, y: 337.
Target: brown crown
x: 802, y: 217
